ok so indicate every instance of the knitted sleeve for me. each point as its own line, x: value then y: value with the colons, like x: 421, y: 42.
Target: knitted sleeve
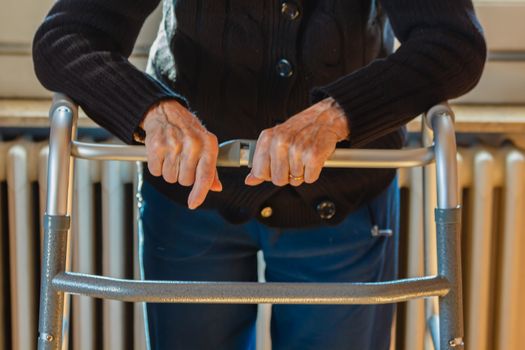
x: 82, y: 49
x: 441, y: 56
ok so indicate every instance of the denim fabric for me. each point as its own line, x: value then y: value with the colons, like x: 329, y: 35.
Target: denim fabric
x: 180, y: 244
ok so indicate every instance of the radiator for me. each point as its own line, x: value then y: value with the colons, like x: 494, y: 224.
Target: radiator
x: 492, y: 181
x: 103, y: 241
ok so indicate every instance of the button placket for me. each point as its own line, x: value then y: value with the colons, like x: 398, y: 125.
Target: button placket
x: 290, y: 10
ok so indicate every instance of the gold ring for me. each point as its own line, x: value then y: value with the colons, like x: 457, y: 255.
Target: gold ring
x: 296, y: 178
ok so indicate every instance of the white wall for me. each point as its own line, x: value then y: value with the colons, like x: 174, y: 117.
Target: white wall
x: 504, y: 78
x: 503, y: 82
x: 19, y: 20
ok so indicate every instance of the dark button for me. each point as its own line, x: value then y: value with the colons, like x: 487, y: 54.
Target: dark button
x: 326, y: 210
x: 284, y: 68
x: 290, y: 10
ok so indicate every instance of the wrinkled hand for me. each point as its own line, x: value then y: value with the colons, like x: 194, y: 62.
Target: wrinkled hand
x: 180, y: 149
x: 295, y: 151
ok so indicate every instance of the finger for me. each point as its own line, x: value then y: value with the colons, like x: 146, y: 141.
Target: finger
x: 251, y: 180
x: 296, y: 166
x: 279, y: 163
x: 261, y: 161
x: 155, y: 153
x: 170, y: 167
x: 216, y: 186
x: 313, y: 165
x: 312, y: 173
x: 205, y: 175
x: 315, y: 157
x: 189, y: 158
x: 212, y: 147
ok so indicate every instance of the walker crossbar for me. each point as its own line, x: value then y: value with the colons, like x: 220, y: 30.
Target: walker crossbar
x: 56, y: 281
x: 342, y: 158
x: 250, y: 292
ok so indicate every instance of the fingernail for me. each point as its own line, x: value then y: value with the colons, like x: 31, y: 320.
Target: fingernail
x: 191, y: 203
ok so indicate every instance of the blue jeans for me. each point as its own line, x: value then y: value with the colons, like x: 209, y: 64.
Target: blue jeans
x: 180, y: 244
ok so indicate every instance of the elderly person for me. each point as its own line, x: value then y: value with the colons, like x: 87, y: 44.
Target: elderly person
x: 301, y: 77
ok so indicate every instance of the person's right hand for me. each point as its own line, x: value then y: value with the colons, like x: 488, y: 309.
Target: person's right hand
x: 180, y: 149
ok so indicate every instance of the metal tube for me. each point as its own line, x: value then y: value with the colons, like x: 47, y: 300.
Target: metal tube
x: 380, y: 158
x: 342, y: 158
x: 429, y: 230
x: 58, y: 162
x: 56, y: 226
x: 67, y: 298
x: 448, y: 224
x: 250, y: 292
x: 446, y: 161
x: 51, y: 314
x: 103, y: 151
x: 448, y: 230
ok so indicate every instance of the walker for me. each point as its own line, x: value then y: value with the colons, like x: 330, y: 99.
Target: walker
x: 446, y: 329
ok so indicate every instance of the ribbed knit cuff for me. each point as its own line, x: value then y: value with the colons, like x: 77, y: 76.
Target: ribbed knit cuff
x: 139, y: 135
x: 362, y: 97
x: 139, y: 95
x: 116, y: 95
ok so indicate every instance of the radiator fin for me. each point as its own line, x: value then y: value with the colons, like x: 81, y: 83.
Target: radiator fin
x: 510, y: 308
x: 22, y: 249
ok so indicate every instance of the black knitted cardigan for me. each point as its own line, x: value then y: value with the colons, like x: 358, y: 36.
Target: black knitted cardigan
x: 243, y: 66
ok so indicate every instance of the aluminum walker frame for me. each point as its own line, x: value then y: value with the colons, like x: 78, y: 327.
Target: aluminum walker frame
x: 446, y: 285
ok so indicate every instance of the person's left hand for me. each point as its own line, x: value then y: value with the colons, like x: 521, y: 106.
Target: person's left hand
x: 295, y: 151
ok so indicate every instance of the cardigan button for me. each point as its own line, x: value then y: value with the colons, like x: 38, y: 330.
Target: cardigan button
x: 284, y: 68
x: 290, y: 10
x: 326, y: 210
x: 266, y: 212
